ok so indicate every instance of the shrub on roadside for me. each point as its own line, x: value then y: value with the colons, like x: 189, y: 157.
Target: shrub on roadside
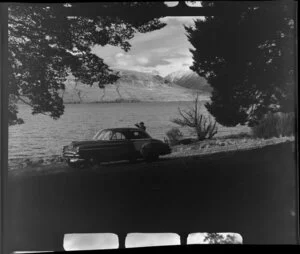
x: 216, y: 238
x: 204, y: 127
x: 275, y: 125
x: 174, y: 135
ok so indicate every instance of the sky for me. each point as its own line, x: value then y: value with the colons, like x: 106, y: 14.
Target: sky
x: 160, y: 52
x: 98, y: 241
x: 110, y: 241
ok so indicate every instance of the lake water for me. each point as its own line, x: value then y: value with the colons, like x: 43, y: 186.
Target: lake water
x: 42, y: 136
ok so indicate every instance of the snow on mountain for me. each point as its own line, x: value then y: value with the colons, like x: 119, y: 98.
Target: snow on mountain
x: 189, y: 79
x: 132, y: 86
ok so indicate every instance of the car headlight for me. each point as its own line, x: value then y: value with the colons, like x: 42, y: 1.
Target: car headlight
x: 77, y: 149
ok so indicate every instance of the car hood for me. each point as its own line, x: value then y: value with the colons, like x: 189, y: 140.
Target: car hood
x: 86, y: 142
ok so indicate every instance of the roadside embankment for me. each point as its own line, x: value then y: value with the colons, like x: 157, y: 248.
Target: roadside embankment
x: 214, y: 147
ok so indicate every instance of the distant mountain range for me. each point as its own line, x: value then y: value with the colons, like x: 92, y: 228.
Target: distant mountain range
x: 134, y: 86
x: 190, y: 80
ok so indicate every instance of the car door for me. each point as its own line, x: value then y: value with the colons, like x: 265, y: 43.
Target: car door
x: 119, y: 146
x: 138, y: 139
x: 104, y: 149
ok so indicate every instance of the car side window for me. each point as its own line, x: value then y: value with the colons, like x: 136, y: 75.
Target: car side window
x: 107, y: 135
x: 118, y: 136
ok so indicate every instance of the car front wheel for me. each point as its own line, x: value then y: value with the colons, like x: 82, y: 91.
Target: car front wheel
x: 82, y: 164
x: 73, y: 164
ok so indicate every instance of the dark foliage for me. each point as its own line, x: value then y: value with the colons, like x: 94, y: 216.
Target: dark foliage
x: 215, y: 238
x: 247, y: 56
x: 45, y: 47
x: 275, y: 125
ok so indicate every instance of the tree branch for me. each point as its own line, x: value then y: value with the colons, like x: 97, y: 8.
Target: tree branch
x: 29, y: 104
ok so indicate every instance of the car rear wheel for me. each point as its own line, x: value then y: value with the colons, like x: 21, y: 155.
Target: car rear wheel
x: 148, y: 154
x: 132, y: 159
x: 152, y: 157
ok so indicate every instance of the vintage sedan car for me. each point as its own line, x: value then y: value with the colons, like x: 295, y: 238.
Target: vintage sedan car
x: 114, y: 145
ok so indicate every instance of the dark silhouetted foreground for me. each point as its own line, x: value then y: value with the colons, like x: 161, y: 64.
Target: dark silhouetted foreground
x: 248, y: 192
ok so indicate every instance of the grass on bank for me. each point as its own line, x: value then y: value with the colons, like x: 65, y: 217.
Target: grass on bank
x: 275, y: 125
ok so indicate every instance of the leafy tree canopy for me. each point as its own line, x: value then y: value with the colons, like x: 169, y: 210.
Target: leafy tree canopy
x: 45, y: 47
x: 216, y: 238
x: 247, y: 55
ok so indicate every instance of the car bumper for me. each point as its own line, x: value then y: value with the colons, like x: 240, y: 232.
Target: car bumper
x: 75, y: 160
x: 71, y: 156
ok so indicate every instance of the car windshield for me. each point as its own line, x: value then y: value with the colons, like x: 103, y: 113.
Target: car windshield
x: 97, y: 134
x: 103, y: 135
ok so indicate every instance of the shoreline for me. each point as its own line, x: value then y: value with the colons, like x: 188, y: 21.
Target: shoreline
x: 214, y: 147
x: 127, y: 101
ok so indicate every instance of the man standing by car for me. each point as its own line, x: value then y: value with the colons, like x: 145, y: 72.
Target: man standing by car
x: 141, y: 125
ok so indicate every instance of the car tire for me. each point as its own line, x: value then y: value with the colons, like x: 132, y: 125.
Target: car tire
x: 98, y: 163
x: 132, y: 160
x: 148, y: 154
x: 73, y: 165
x: 151, y: 158
x: 90, y: 163
x: 78, y: 165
